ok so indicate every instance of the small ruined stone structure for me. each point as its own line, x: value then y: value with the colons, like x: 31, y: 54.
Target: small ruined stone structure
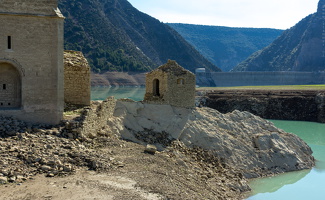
x: 76, y: 79
x: 31, y: 60
x: 171, y: 84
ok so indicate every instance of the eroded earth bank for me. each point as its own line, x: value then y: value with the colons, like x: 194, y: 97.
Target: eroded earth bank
x: 100, y: 152
x: 300, y: 105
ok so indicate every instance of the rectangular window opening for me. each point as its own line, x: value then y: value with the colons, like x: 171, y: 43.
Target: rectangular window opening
x: 9, y: 42
x: 4, y: 86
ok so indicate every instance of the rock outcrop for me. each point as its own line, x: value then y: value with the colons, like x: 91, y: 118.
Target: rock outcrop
x: 239, y: 139
x: 300, y: 105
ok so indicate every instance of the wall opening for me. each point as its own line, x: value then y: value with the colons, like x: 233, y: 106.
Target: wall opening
x: 180, y: 81
x: 10, y: 92
x: 9, y: 42
x: 156, y: 91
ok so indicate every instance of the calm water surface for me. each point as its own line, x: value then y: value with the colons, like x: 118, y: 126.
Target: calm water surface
x: 101, y: 93
x: 302, y: 185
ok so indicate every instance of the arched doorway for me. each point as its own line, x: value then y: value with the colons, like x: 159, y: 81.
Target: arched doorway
x: 10, y: 86
x: 156, y: 91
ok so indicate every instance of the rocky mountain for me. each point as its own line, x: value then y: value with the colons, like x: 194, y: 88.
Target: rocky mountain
x: 115, y: 36
x: 226, y: 47
x: 300, y: 48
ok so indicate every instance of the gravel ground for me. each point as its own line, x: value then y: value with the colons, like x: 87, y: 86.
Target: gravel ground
x: 38, y: 162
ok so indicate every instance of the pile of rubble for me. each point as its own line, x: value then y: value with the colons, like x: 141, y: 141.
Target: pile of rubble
x: 26, y: 150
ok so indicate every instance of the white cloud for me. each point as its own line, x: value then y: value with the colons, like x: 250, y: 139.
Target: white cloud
x: 240, y: 13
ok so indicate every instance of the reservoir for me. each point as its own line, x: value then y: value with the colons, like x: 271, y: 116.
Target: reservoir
x: 134, y: 93
x: 301, y: 185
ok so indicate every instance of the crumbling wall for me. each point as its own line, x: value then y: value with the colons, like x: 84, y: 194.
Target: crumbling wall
x: 93, y: 120
x: 76, y: 78
x: 175, y: 86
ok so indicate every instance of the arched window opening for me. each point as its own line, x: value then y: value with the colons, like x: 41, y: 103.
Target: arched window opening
x: 180, y: 81
x: 10, y: 92
x: 156, y: 91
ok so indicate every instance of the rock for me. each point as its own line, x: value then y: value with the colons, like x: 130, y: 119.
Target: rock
x: 150, y: 149
x: 50, y: 175
x: 20, y: 177
x: 12, y: 179
x: 46, y: 168
x: 67, y: 168
x: 3, y: 180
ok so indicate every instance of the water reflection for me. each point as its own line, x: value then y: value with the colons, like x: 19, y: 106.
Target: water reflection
x: 300, y: 185
x: 101, y: 93
x: 273, y: 184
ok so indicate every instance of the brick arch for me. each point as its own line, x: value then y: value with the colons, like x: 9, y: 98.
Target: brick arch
x: 10, y: 86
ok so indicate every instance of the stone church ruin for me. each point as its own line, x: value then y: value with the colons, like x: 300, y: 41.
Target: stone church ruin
x: 31, y: 60
x: 170, y: 84
x: 76, y: 79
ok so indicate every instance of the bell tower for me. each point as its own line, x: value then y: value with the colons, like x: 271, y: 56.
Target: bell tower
x: 31, y: 60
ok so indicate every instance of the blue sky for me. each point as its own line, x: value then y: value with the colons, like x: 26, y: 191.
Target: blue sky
x: 281, y: 14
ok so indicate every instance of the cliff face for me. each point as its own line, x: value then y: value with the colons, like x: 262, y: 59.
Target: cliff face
x: 282, y: 105
x: 301, y: 48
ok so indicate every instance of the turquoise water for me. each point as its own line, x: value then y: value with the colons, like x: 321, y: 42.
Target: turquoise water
x: 302, y: 185
x: 101, y: 93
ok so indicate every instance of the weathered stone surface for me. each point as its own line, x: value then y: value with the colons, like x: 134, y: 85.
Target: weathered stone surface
x: 170, y: 84
x: 240, y: 139
x: 268, y: 104
x: 3, y: 180
x: 152, y: 149
x: 32, y: 56
x: 37, y: 149
x: 76, y: 78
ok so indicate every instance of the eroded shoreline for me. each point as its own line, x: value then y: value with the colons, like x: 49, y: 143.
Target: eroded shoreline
x: 184, y: 168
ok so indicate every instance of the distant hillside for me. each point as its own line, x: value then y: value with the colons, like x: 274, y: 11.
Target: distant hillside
x: 224, y: 46
x: 114, y: 36
x: 301, y: 48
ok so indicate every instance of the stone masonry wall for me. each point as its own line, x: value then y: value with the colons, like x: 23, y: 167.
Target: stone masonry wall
x: 93, y: 121
x: 44, y: 7
x: 36, y: 51
x: 183, y: 95
x: 76, y: 78
x: 150, y: 77
x: 176, y: 86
